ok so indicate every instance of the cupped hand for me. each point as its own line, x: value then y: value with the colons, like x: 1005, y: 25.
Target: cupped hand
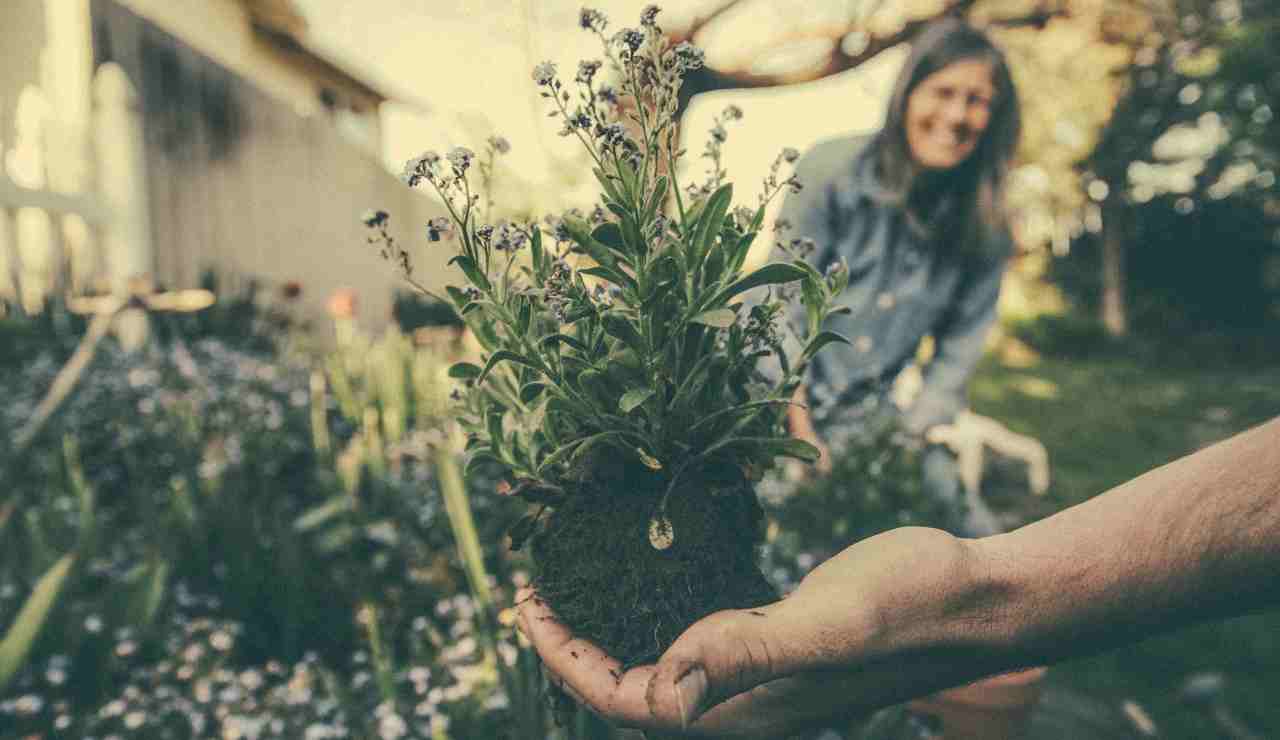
x: 868, y: 628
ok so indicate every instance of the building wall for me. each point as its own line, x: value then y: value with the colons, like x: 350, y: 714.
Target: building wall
x: 221, y: 30
x: 239, y: 182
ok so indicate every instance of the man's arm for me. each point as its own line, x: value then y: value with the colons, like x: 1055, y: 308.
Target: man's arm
x: 915, y: 610
x: 960, y: 340
x: 1194, y: 540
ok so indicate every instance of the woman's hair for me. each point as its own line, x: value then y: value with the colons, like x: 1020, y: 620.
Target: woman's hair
x: 973, y: 204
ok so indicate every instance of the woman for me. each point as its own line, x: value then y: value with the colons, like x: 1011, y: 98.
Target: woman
x: 916, y: 211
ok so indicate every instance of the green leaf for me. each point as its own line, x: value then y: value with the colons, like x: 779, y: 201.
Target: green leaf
x: 472, y: 271
x: 618, y: 325
x: 152, y: 596
x: 606, y: 260
x: 31, y: 618
x: 790, y: 447
x: 738, y: 409
x: 712, y: 218
x: 772, y: 274
x: 464, y: 370
x: 530, y: 391
x: 563, y: 339
x: 85, y: 536
x: 593, y: 383
x: 595, y: 440
x: 721, y: 318
x: 633, y: 398
x: 814, y: 298
x: 524, y: 317
x: 692, y: 381
x: 322, y: 513
x: 740, y: 251
x: 560, y: 454
x: 536, y: 253
x: 499, y: 356
x: 628, y: 174
x: 655, y: 200
x: 493, y: 425
x: 608, y: 185
x: 713, y: 267
x: 631, y: 235
x: 336, y: 539
x: 610, y: 235
x: 478, y: 456
x: 460, y: 299
x: 607, y: 273
x: 820, y: 341
x: 772, y: 446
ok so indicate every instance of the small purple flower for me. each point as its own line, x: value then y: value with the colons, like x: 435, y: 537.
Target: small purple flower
x: 419, y: 168
x: 507, y: 237
x: 630, y: 38
x: 611, y: 135
x: 591, y: 19
x: 688, y: 56
x: 499, y: 144
x: 437, y: 227
x: 545, y: 73
x: 460, y: 157
x: 587, y: 69
x: 374, y: 219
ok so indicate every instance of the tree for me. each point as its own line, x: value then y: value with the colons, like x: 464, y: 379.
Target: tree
x: 1194, y: 127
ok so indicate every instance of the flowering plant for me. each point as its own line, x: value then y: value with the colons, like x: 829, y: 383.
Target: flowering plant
x: 624, y: 397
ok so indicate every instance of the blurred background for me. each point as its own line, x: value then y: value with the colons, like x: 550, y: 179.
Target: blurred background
x: 227, y: 505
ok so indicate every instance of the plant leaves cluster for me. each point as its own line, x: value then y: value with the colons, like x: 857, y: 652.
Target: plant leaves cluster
x: 622, y: 341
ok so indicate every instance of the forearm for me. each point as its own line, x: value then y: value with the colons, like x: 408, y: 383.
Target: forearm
x: 1196, y: 539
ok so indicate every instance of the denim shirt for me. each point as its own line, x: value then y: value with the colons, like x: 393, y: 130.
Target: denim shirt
x: 900, y: 290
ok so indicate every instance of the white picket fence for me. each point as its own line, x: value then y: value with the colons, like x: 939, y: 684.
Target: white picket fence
x: 73, y: 205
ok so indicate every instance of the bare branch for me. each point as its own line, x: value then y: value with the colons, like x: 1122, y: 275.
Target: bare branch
x: 742, y: 73
x: 704, y: 17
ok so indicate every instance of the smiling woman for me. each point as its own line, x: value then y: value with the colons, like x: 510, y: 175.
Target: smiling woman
x: 948, y: 113
x: 916, y: 212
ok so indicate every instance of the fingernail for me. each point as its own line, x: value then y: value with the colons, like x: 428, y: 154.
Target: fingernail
x: 691, y: 689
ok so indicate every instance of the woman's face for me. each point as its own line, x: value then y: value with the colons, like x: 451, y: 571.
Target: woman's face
x: 947, y: 113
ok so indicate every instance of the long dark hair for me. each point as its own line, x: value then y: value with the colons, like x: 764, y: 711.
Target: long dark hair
x: 972, y: 204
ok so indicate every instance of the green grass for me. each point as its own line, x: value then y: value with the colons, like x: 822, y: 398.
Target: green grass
x: 1106, y: 417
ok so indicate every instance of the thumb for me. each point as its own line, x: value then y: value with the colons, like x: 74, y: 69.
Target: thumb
x: 720, y: 656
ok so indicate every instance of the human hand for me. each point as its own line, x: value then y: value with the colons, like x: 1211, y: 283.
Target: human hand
x: 868, y: 628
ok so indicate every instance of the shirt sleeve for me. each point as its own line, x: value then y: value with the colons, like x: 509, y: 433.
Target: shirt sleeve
x: 960, y: 340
